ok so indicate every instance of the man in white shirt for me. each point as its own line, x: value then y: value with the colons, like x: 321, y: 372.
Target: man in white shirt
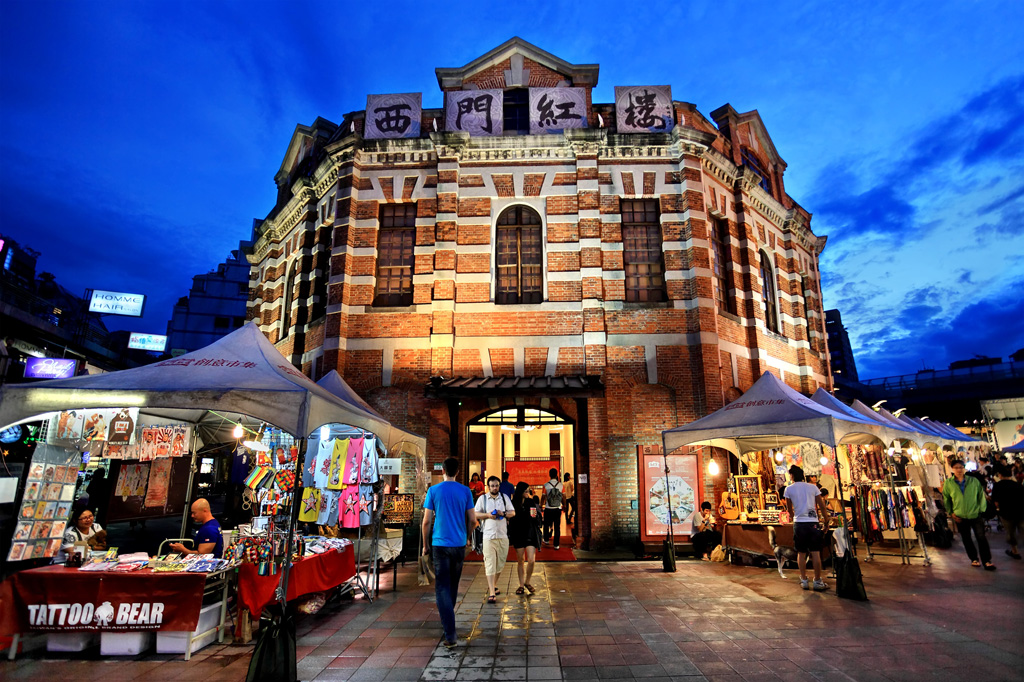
x: 554, y: 493
x: 806, y: 508
x: 492, y: 510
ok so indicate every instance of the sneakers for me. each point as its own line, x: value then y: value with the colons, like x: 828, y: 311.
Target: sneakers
x: 449, y: 644
x: 819, y: 586
x: 805, y: 583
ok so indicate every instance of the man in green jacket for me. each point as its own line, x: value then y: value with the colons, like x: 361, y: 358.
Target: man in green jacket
x: 964, y: 499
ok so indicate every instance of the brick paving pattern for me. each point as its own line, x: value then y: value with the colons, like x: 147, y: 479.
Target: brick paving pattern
x: 628, y: 620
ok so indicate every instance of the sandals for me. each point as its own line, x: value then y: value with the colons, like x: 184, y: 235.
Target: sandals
x: 530, y: 588
x: 520, y: 590
x: 975, y: 564
x: 497, y: 592
x: 990, y: 566
x: 491, y: 599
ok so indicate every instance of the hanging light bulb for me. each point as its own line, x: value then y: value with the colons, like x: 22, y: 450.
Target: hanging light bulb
x: 892, y: 451
x: 713, y: 468
x: 778, y: 456
x: 325, y: 432
x: 823, y: 460
x: 237, y: 432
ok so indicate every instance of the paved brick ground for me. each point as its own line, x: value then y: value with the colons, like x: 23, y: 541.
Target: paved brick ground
x: 628, y: 620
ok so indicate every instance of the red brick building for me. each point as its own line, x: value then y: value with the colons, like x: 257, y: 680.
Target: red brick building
x: 527, y: 274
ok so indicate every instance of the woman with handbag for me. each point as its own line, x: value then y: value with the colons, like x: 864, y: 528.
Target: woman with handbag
x: 524, y: 534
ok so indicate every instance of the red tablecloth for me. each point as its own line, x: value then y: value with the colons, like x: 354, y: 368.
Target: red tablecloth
x: 58, y: 599
x: 311, y: 574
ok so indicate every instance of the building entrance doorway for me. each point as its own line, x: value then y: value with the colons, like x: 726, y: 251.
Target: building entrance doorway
x: 527, y: 442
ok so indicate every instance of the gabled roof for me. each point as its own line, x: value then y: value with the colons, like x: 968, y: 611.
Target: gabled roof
x: 725, y: 114
x: 321, y: 126
x: 582, y: 75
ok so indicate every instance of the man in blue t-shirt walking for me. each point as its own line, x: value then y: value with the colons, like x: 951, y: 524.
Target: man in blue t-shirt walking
x: 448, y: 523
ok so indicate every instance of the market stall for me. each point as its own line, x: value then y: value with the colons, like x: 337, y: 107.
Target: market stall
x: 239, y: 384
x: 768, y: 418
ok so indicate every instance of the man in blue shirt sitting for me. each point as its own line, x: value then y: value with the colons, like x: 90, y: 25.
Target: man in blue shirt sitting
x: 448, y: 523
x: 208, y: 539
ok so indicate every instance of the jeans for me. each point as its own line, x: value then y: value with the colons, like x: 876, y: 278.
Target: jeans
x: 1012, y: 527
x: 553, y: 521
x: 965, y: 526
x: 570, y: 509
x: 447, y: 573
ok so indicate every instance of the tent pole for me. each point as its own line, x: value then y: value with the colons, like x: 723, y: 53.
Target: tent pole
x: 185, y: 515
x: 282, y: 587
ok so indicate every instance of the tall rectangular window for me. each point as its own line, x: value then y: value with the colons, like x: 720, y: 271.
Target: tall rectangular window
x: 642, y: 255
x: 516, y: 104
x: 722, y: 266
x: 752, y: 162
x: 518, y: 259
x: 396, y: 240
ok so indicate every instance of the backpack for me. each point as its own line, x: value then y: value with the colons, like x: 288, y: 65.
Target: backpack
x: 554, y: 496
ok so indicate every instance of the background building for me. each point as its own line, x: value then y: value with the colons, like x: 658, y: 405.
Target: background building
x: 567, y: 278
x: 41, y: 319
x: 214, y: 307
x: 840, y: 352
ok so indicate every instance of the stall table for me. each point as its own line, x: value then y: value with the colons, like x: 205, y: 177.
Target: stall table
x: 752, y: 538
x: 59, y: 599
x: 316, y: 573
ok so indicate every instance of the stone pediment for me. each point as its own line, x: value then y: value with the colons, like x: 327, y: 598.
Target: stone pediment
x: 516, y: 51
x: 726, y: 115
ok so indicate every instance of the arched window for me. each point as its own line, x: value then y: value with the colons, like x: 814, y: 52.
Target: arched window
x: 771, y: 305
x: 289, y: 296
x: 518, y: 258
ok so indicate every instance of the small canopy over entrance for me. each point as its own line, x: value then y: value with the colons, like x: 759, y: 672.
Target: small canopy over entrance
x: 768, y: 415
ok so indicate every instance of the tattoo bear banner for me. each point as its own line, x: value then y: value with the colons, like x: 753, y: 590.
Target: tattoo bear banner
x: 643, y: 108
x: 477, y: 112
x: 393, y: 116
x: 553, y: 110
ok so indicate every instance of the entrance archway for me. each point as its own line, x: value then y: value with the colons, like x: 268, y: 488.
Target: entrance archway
x: 524, y: 440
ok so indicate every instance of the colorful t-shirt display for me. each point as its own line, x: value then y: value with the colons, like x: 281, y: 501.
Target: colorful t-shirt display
x: 339, y: 457
x: 322, y: 463
x: 354, y: 462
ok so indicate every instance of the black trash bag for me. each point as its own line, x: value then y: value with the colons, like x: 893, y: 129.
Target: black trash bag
x: 849, y: 582
x: 668, y: 556
x: 273, y: 659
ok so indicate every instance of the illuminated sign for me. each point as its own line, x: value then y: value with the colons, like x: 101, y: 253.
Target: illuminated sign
x: 116, y: 303
x: 153, y: 342
x: 50, y: 368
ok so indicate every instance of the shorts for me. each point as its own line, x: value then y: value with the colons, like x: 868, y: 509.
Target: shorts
x: 495, y: 554
x: 807, y: 537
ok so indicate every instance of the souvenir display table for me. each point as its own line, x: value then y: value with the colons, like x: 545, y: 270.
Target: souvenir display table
x: 56, y: 599
x: 316, y: 573
x: 752, y: 538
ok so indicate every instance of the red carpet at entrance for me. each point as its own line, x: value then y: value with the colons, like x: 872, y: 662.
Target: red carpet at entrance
x: 546, y: 553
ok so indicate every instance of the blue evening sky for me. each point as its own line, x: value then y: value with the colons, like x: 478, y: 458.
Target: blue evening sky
x: 140, y: 139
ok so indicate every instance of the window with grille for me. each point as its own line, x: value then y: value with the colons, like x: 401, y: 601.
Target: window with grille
x: 289, y: 297
x: 771, y: 309
x: 722, y: 266
x: 642, y: 255
x: 396, y: 240
x: 516, y: 104
x: 519, y: 257
x: 752, y: 162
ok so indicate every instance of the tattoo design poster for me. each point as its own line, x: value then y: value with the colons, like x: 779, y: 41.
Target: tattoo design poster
x: 159, y: 479
x: 393, y: 116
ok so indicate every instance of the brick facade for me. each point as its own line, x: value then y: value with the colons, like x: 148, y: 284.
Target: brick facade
x: 662, y: 364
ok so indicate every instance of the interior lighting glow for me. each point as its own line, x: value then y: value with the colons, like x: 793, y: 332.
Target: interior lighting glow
x: 237, y: 431
x: 713, y: 468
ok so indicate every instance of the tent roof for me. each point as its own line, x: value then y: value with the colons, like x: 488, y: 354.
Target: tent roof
x: 925, y: 429
x: 1017, y: 447
x: 334, y: 383
x: 770, y: 414
x: 241, y: 373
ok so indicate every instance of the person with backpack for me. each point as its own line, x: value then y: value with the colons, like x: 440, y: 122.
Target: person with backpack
x: 493, y: 508
x: 553, y: 497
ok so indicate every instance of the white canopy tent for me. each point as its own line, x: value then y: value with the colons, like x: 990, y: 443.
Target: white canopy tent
x: 398, y: 439
x: 886, y: 434
x: 770, y: 414
x: 241, y: 374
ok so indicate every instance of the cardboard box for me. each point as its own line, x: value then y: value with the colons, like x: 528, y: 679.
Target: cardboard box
x: 71, y: 641
x: 174, y: 642
x: 125, y: 643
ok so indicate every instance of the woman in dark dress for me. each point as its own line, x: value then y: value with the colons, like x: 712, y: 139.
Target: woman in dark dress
x: 524, y: 534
